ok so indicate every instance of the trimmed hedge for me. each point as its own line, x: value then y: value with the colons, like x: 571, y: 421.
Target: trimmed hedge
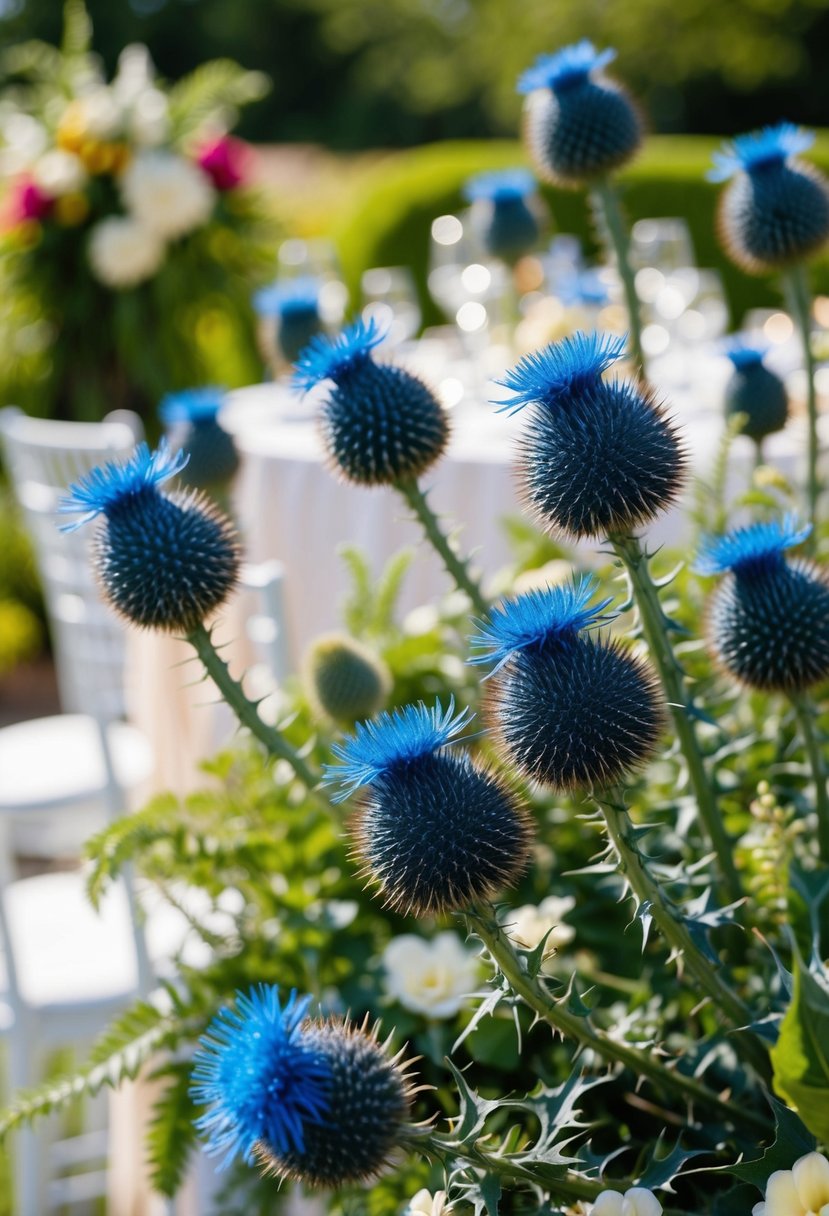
x: 388, y: 224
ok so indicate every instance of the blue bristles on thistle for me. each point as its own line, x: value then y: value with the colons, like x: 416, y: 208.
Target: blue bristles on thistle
x: 380, y: 424
x: 191, y: 418
x: 579, y: 125
x: 192, y: 405
x: 434, y: 830
x: 165, y: 560
x: 598, y: 457
x: 755, y: 391
x: 295, y: 307
x: 569, y: 709
x: 318, y: 1101
x: 775, y: 210
x: 768, y: 620
x: 506, y: 224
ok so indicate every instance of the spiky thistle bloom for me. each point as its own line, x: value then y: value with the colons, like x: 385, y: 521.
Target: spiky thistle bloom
x: 165, y: 561
x: 598, y: 456
x: 775, y: 210
x: 501, y: 212
x: 755, y: 390
x: 768, y: 620
x: 380, y: 424
x: 435, y: 830
x: 317, y: 1100
x: 191, y: 419
x: 570, y: 709
x: 295, y: 305
x: 344, y: 679
x: 578, y: 123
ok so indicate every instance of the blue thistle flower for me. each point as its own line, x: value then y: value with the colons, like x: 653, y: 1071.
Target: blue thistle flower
x: 165, y: 561
x: 295, y: 305
x: 578, y: 124
x: 768, y: 620
x: 775, y: 210
x: 598, y: 456
x: 506, y: 224
x: 569, y: 709
x: 436, y: 831
x: 318, y: 1101
x: 191, y: 418
x: 380, y: 424
x: 755, y: 390
x: 261, y: 1079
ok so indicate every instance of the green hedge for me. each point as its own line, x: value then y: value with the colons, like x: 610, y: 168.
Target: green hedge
x: 388, y: 223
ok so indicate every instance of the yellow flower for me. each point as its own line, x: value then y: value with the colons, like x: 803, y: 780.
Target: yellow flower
x: 71, y: 210
x: 801, y: 1191
x: 71, y: 130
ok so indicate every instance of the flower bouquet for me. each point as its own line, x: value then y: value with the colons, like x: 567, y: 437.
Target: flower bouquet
x: 130, y: 234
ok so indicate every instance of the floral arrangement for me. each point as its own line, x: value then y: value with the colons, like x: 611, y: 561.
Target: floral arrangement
x: 127, y: 212
x: 615, y: 844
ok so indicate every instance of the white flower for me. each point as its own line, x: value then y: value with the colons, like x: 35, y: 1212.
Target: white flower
x: 801, y: 1191
x: 135, y: 73
x: 59, y: 173
x: 432, y: 977
x: 636, y: 1202
x: 424, y: 1203
x: 168, y: 194
x: 149, y: 118
x: 122, y: 252
x: 23, y: 139
x: 101, y: 114
x: 528, y: 924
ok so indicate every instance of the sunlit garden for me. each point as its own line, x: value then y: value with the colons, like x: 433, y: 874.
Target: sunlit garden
x: 414, y: 608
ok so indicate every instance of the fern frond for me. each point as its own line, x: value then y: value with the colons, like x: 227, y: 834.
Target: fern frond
x: 388, y: 590
x: 357, y: 606
x: 77, y: 29
x: 123, y: 840
x: 172, y: 1133
x: 211, y: 90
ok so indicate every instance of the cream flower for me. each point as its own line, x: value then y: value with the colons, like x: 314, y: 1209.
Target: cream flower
x: 431, y: 977
x: 149, y: 118
x: 59, y: 173
x: 528, y: 924
x: 801, y: 1191
x: 101, y: 114
x: 424, y: 1203
x: 166, y: 193
x: 636, y: 1202
x: 122, y: 252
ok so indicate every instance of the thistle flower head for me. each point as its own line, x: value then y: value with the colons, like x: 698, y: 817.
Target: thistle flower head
x: 559, y: 611
x: 380, y: 424
x: 768, y: 619
x: 299, y: 295
x: 165, y: 561
x: 501, y: 215
x: 579, y: 125
x: 261, y: 1079
x: 743, y: 353
x: 775, y: 210
x: 317, y: 1101
x: 755, y: 390
x: 597, y: 456
x: 191, y: 417
x: 345, y: 680
x: 505, y: 185
x: 193, y: 405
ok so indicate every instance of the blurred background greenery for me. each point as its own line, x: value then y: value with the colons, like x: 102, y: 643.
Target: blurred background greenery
x: 354, y: 74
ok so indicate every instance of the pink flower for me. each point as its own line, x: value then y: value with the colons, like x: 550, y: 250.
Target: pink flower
x: 226, y: 161
x: 27, y: 201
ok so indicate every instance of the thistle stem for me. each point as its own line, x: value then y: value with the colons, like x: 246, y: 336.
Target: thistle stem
x: 569, y: 1186
x: 633, y: 867
x: 455, y: 565
x: 607, y: 200
x: 805, y: 714
x: 797, y: 281
x: 581, y: 1030
x: 245, y: 709
x: 655, y: 627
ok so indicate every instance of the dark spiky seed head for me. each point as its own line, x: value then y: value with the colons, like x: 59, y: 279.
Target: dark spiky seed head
x: 506, y: 223
x: 369, y: 1100
x: 757, y: 392
x: 344, y: 679
x: 575, y: 712
x: 214, y: 460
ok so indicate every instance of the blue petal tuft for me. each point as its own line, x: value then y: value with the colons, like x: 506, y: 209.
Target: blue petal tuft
x: 557, y: 611
x: 263, y: 1080
x: 390, y: 740
x: 564, y: 68
x: 757, y: 149
x: 106, y: 486
x: 752, y: 547
x: 743, y: 352
x: 560, y: 369
x: 298, y: 295
x: 331, y: 359
x: 192, y: 405
x: 500, y: 186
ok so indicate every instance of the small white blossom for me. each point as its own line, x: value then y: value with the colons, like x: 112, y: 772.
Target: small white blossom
x: 59, y: 172
x: 101, y: 113
x: 636, y: 1202
x: 424, y: 1203
x: 801, y: 1191
x: 167, y: 193
x: 528, y: 924
x: 135, y: 74
x: 23, y: 139
x: 149, y: 118
x: 122, y: 252
x: 431, y: 977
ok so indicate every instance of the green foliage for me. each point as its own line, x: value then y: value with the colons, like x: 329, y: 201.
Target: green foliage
x: 212, y: 91
x: 22, y: 617
x: 801, y: 1054
x: 171, y: 1135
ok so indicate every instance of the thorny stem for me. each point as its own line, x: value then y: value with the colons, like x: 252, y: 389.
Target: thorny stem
x: 582, y: 1031
x: 797, y: 281
x: 245, y: 709
x: 805, y: 714
x: 607, y: 200
x: 455, y: 565
x: 680, y: 702
x: 668, y: 919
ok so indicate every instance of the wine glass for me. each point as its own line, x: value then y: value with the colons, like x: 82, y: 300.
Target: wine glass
x: 390, y: 300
